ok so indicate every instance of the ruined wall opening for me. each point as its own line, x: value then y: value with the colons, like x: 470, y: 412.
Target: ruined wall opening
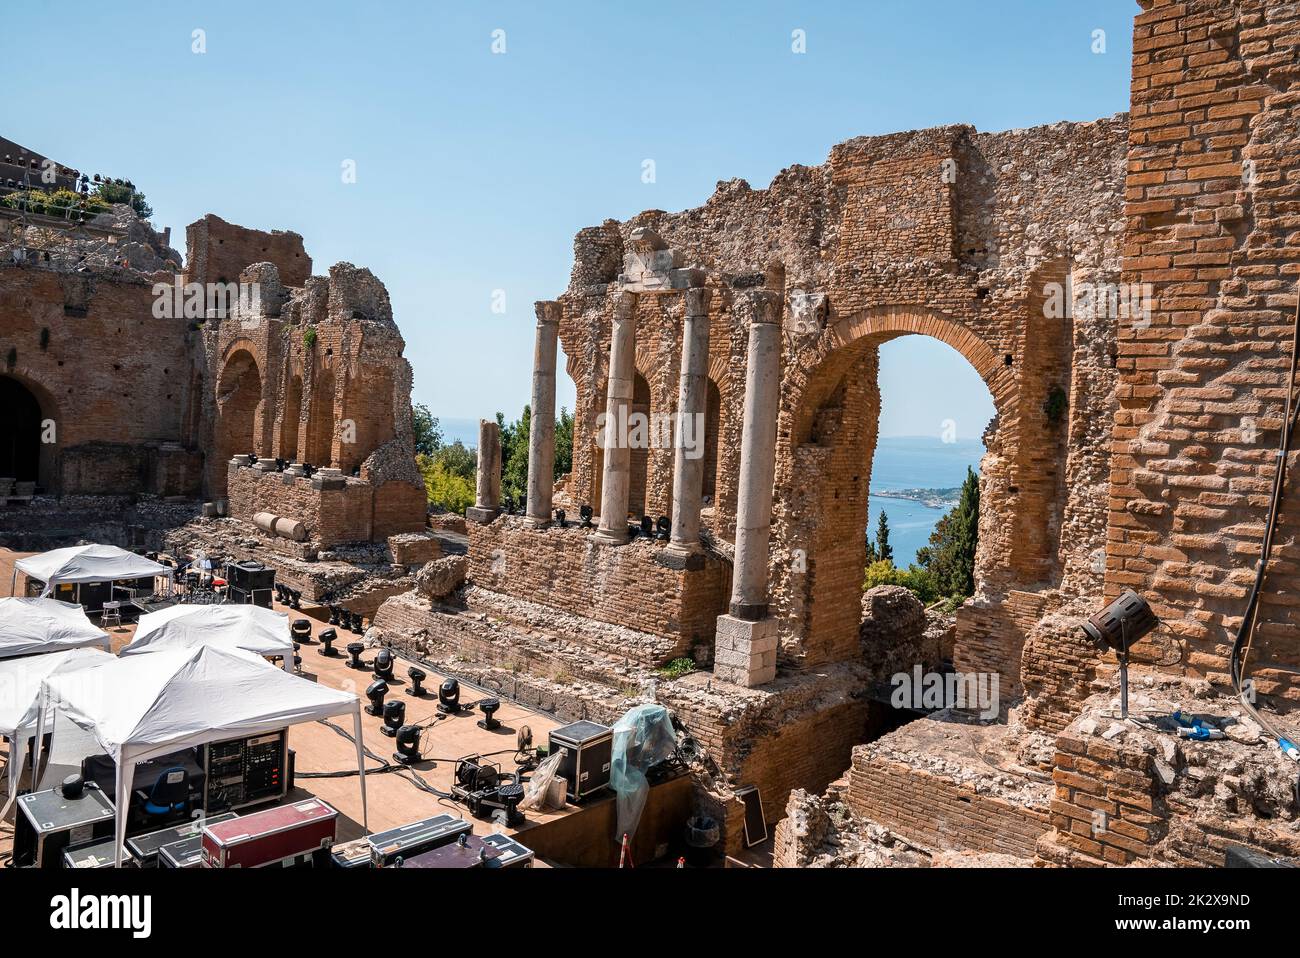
x: 23, y: 457
x: 712, y: 434
x: 320, y: 423
x: 639, y: 466
x: 290, y: 417
x: 826, y: 447
x: 239, y: 395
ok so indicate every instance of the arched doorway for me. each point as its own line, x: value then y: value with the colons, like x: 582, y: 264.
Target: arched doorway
x: 290, y: 418
x: 239, y: 395
x: 23, y: 456
x: 827, y: 440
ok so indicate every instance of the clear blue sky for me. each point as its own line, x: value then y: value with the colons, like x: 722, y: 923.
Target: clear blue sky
x: 475, y: 169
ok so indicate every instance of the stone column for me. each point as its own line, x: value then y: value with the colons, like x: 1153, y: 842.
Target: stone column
x: 618, y: 457
x: 487, y: 496
x: 745, y: 651
x: 692, y: 409
x: 541, y: 433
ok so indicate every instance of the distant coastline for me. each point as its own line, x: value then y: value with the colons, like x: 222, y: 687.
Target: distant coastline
x: 931, y: 498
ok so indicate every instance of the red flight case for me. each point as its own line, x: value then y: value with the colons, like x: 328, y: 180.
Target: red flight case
x: 275, y: 836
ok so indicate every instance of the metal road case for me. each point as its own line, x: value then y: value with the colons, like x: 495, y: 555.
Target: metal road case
x: 510, y: 853
x: 589, y: 750
x: 47, y: 823
x: 144, y: 848
x: 407, y: 841
x: 275, y: 836
x: 468, y: 851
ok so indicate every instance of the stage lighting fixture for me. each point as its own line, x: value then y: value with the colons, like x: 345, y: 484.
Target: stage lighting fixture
x: 417, y: 677
x: 295, y: 598
x: 301, y: 630
x: 383, y: 664
x: 1120, y: 626
x: 356, y: 622
x: 559, y: 518
x: 510, y: 796
x: 585, y: 512
x: 327, y: 639
x: 375, y: 692
x: 663, y: 528
x: 334, y: 615
x: 647, y: 527
x: 449, y: 697
x: 408, y: 745
x: 354, y: 650
x: 489, y: 708
x: 394, y: 717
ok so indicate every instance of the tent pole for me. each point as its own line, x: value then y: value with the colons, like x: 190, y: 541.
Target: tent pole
x: 361, y: 766
x: 125, y: 777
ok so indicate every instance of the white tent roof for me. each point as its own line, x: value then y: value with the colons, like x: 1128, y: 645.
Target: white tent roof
x: 28, y: 626
x: 90, y: 563
x: 244, y: 626
x: 143, y: 706
x: 20, y: 688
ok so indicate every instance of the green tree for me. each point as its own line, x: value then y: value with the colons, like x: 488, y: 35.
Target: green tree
x: 428, y: 433
x: 950, y: 556
x: 883, y: 550
x: 457, y: 460
x: 121, y: 191
x: 444, y: 487
x: 563, y: 443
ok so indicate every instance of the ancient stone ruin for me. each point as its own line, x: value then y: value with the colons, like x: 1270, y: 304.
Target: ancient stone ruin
x: 1125, y: 289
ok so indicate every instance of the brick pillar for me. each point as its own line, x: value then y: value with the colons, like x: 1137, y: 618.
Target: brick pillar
x: 622, y: 373
x: 541, y: 433
x: 487, y: 494
x: 745, y: 652
x: 692, y: 396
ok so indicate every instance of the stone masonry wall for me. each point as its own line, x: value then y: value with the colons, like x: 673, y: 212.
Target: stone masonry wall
x: 1212, y: 216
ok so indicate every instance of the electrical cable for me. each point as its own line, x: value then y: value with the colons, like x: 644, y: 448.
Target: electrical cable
x: 1245, y: 632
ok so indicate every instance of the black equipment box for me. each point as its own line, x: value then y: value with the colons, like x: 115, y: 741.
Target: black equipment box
x: 469, y: 851
x: 187, y: 853
x: 408, y: 841
x: 144, y: 849
x: 246, y: 771
x: 589, y: 750
x: 510, y: 854
x: 353, y: 854
x: 47, y: 823
x: 94, y: 855
x: 250, y: 582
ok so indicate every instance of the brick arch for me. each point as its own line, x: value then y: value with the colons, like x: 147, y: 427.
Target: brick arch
x: 822, y: 363
x: 826, y: 443
x: 238, y: 408
x: 22, y: 430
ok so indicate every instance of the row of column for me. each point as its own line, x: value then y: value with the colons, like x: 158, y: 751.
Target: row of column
x: 746, y: 638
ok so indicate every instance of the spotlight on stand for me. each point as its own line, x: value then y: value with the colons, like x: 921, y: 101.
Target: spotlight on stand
x: 394, y: 718
x: 327, y: 639
x: 663, y: 528
x: 647, y: 527
x: 356, y: 622
x: 449, y: 697
x: 301, y: 630
x: 585, y: 512
x: 417, y: 677
x: 334, y: 615
x: 560, y: 516
x: 1120, y: 626
x: 375, y: 692
x: 489, y: 708
x: 383, y: 665
x: 354, y: 650
x: 408, y: 745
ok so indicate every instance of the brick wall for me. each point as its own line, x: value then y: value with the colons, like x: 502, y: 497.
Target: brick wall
x: 217, y: 252
x: 625, y: 586
x: 1213, y: 175
x: 937, y: 812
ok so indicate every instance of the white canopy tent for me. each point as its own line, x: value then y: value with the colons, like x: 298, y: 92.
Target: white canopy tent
x: 248, y: 627
x: 89, y: 563
x: 144, y: 706
x: 29, y: 626
x: 20, y: 690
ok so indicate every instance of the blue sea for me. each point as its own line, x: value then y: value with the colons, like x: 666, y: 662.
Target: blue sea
x: 916, y: 462
x: 901, y: 462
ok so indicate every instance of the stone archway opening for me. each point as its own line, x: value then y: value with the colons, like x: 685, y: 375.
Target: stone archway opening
x: 24, y: 457
x: 239, y: 395
x: 827, y: 440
